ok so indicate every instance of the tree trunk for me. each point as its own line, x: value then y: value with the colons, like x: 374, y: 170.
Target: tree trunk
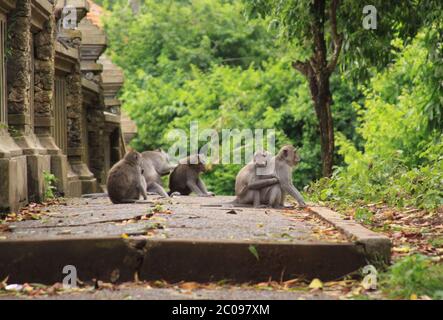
x: 322, y: 104
x: 318, y: 72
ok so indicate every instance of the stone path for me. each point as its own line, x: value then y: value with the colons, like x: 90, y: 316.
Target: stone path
x: 178, y: 218
x: 139, y: 293
x: 184, y: 239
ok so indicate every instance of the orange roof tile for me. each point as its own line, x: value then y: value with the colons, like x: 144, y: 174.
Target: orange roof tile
x: 95, y: 13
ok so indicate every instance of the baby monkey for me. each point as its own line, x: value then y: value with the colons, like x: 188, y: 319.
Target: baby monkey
x: 186, y: 177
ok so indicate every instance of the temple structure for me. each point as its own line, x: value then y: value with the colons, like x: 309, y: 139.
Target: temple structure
x: 59, y: 111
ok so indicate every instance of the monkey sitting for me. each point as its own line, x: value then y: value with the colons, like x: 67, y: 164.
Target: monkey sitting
x: 125, y: 180
x: 283, y: 163
x: 186, y: 177
x: 252, y: 178
x: 155, y: 165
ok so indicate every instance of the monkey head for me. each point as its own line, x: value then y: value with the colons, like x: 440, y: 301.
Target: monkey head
x: 261, y: 158
x: 289, y: 154
x: 195, y: 161
x: 133, y: 157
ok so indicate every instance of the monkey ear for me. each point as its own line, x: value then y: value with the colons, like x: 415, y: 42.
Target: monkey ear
x: 285, y: 152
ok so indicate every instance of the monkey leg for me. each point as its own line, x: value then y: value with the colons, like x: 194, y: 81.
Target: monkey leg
x: 275, y: 195
x: 256, y: 203
x: 155, y: 188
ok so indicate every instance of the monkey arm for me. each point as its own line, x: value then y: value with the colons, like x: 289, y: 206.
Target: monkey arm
x: 194, y: 188
x: 260, y: 184
x: 155, y: 187
x: 142, y: 191
x: 201, y: 185
x: 292, y: 191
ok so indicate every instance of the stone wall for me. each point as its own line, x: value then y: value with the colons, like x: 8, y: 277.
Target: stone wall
x: 27, y: 144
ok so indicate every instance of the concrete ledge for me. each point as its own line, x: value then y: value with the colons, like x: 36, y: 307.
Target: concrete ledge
x: 205, y: 261
x: 377, y: 247
x: 118, y: 260
x: 42, y: 261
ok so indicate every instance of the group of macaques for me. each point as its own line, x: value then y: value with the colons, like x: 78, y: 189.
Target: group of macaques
x: 138, y: 174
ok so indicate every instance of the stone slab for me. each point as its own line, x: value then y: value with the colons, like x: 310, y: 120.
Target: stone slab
x: 377, y: 246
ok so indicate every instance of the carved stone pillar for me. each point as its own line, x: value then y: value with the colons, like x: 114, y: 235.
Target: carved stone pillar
x: 13, y: 177
x: 93, y: 45
x: 20, y: 114
x: 44, y: 69
x: 77, y: 140
x: 112, y: 82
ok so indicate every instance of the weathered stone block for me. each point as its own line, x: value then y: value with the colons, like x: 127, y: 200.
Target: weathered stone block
x: 59, y: 168
x: 74, y: 188
x: 13, y: 184
x: 36, y: 165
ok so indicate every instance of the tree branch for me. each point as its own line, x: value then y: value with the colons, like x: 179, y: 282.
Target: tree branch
x: 337, y: 39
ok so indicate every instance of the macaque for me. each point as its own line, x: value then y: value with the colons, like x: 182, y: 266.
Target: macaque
x: 186, y: 177
x: 252, y: 178
x: 283, y: 163
x: 155, y: 165
x: 125, y: 180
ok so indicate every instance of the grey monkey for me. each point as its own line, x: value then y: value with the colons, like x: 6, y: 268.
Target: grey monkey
x: 252, y: 178
x: 125, y: 180
x: 283, y: 163
x: 186, y: 177
x: 155, y: 165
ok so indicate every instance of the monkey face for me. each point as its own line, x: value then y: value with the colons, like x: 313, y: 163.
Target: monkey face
x: 261, y: 158
x: 201, y: 167
x: 290, y: 155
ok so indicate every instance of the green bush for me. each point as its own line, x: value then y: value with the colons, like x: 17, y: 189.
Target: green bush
x: 401, y: 161
x: 413, y: 275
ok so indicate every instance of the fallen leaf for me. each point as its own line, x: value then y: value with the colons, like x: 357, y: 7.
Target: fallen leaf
x: 189, y: 285
x: 316, y: 284
x: 401, y: 249
x: 254, y: 251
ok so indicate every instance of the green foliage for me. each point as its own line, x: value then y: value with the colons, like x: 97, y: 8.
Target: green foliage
x: 49, y: 188
x: 237, y: 79
x: 362, y: 49
x: 414, y: 274
x: 252, y: 249
x: 363, y: 215
x: 202, y: 60
x: 402, y: 162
